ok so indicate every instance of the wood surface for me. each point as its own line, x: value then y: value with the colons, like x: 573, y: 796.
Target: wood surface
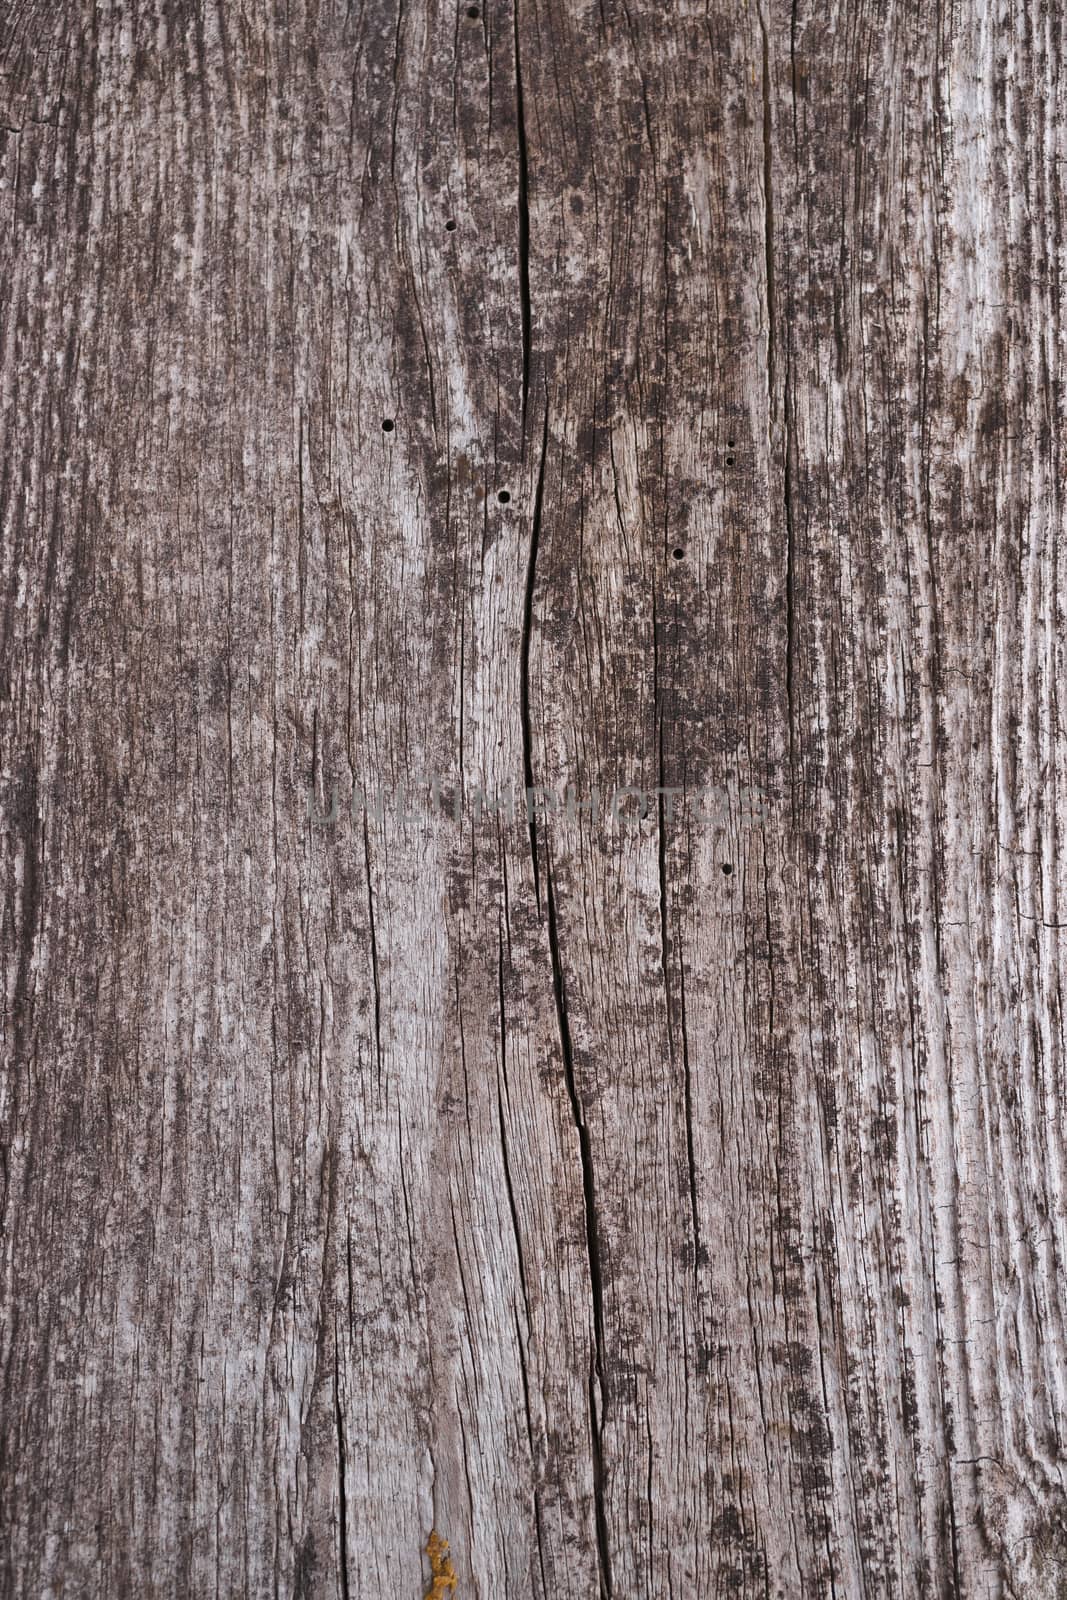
x: 644, y: 1229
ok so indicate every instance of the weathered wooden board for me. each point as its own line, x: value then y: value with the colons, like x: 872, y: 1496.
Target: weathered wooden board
x: 655, y: 1206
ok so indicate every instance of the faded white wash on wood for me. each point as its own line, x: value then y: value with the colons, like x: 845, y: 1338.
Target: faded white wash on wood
x: 652, y: 1207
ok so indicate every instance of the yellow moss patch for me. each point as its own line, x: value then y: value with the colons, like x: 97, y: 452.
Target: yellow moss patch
x: 441, y: 1568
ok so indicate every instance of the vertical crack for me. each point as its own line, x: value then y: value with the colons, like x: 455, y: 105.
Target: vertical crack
x: 660, y: 818
x: 772, y: 380
x: 768, y: 220
x: 595, y: 1432
x: 546, y: 1592
x: 597, y: 1378
x: 342, y: 1487
x: 524, y: 657
x: 596, y: 1375
x: 790, y: 605
x: 699, y: 1253
x: 524, y: 225
x: 501, y: 1092
x: 373, y: 956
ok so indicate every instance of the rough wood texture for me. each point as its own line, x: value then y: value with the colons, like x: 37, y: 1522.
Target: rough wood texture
x: 650, y: 1230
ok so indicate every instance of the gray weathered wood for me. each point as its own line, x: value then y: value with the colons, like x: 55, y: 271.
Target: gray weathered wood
x: 646, y: 1229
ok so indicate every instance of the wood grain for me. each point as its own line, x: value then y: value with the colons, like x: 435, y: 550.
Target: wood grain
x: 649, y: 1207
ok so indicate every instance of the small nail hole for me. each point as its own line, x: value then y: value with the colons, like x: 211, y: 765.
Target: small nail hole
x: 503, y: 497
x: 388, y: 424
x: 450, y: 225
x: 678, y: 552
x: 727, y: 869
x: 473, y: 13
x: 729, y: 461
x: 729, y: 444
